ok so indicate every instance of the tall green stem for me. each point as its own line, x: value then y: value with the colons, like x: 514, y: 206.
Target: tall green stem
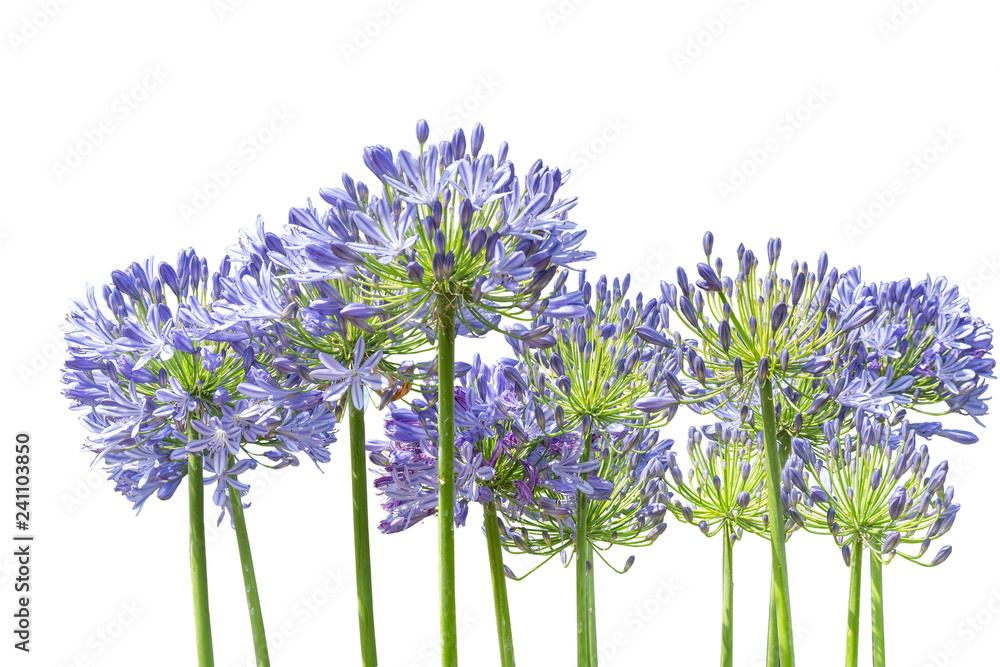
x: 591, y: 605
x: 362, y: 549
x: 854, y: 605
x: 585, y: 645
x: 878, y: 619
x: 446, y: 480
x: 199, y: 567
x: 727, y: 601
x: 776, y: 515
x: 773, y: 660
x: 249, y: 580
x: 499, y: 578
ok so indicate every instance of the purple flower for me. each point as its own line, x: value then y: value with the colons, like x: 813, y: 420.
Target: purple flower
x: 162, y: 370
x: 444, y: 222
x: 361, y: 375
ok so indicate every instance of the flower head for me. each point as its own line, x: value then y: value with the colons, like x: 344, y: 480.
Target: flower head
x: 755, y: 327
x: 602, y: 365
x: 874, y: 489
x: 158, y: 375
x: 327, y: 326
x: 506, y: 450
x: 725, y: 491
x: 445, y: 227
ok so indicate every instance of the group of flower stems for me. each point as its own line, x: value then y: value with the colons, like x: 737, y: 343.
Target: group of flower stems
x: 809, y: 380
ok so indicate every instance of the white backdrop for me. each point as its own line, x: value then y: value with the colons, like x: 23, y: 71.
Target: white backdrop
x: 867, y: 128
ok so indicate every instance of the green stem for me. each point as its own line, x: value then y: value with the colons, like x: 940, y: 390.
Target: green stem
x: 772, y: 632
x: 878, y: 619
x: 773, y: 660
x: 446, y: 481
x: 199, y: 568
x: 591, y: 605
x: 776, y: 515
x: 362, y: 549
x: 249, y: 580
x: 500, y: 605
x: 727, y: 601
x: 854, y: 605
x: 585, y: 656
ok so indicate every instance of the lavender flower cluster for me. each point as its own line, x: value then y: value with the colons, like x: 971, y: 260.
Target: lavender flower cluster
x: 157, y: 374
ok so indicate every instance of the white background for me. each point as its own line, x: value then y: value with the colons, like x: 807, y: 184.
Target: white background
x: 652, y: 106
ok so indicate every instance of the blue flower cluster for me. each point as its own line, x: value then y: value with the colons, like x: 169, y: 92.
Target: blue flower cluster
x: 450, y: 227
x: 508, y: 449
x: 157, y: 374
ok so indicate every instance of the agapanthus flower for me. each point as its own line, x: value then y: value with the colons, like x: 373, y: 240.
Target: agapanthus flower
x: 599, y: 374
x: 725, y: 492
x: 755, y: 327
x: 170, y: 388
x: 444, y: 224
x: 874, y: 489
x: 452, y: 242
x: 925, y: 350
x: 508, y: 450
x: 156, y: 376
x: 599, y: 365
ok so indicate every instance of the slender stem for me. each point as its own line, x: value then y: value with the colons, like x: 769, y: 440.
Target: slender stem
x: 584, y: 570
x: 362, y: 549
x: 582, y: 588
x: 446, y: 481
x: 854, y: 605
x: 776, y: 515
x: 500, y: 606
x: 249, y: 580
x: 878, y: 619
x: 591, y: 605
x: 727, y: 601
x: 773, y: 660
x: 199, y: 568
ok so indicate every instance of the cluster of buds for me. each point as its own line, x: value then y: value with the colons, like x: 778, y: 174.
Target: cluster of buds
x: 875, y: 489
x: 725, y: 489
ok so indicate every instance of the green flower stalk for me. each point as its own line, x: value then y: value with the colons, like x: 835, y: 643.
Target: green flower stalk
x: 596, y: 374
x: 872, y: 489
x: 498, y: 576
x: 249, y: 580
x: 724, y: 493
x: 199, y: 562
